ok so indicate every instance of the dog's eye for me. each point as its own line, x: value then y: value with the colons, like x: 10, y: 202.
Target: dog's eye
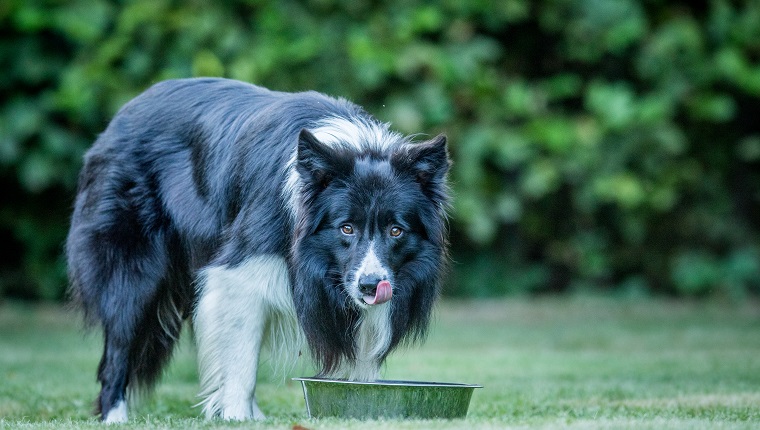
x: 347, y: 229
x: 396, y: 231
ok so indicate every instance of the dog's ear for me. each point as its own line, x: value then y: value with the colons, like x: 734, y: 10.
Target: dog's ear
x: 315, y: 160
x: 430, y: 162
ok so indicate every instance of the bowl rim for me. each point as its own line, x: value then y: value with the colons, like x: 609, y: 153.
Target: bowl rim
x: 389, y: 383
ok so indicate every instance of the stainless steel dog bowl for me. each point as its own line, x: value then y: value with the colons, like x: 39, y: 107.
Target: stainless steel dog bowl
x: 391, y: 399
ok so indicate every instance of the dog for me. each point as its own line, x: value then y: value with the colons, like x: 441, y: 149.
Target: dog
x: 257, y: 215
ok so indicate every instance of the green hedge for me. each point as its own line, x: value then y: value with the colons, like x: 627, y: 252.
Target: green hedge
x: 609, y: 144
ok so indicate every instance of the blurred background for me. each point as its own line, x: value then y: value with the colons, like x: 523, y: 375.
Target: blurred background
x: 598, y: 145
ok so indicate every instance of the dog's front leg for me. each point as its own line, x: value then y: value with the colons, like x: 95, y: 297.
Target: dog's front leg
x: 229, y: 324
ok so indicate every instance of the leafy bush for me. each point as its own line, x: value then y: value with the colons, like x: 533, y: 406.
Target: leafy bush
x: 597, y: 143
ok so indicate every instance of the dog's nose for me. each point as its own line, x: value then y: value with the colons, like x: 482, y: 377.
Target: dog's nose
x: 368, y: 283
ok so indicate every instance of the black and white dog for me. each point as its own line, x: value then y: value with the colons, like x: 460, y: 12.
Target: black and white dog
x: 256, y: 214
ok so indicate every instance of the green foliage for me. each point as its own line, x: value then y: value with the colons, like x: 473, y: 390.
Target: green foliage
x: 597, y: 143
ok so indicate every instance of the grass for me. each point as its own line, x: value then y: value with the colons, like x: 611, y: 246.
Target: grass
x: 572, y: 362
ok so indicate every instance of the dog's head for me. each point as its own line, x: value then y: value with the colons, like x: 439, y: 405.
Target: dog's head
x: 370, y: 238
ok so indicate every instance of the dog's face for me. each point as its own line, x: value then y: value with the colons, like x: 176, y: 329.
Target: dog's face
x: 376, y: 216
x: 370, y: 243
x: 372, y: 229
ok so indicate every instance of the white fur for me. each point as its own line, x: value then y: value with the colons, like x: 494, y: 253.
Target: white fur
x: 354, y: 132
x: 234, y: 306
x: 373, y: 336
x: 291, y: 189
x: 117, y: 414
x: 371, y: 264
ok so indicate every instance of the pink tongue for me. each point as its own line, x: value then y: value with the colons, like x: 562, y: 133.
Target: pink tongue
x: 383, y: 293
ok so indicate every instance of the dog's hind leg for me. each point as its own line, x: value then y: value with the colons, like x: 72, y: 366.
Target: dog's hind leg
x: 130, y: 291
x: 113, y: 377
x: 230, y: 318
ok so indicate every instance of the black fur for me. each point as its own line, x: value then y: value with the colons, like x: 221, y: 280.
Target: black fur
x: 190, y: 174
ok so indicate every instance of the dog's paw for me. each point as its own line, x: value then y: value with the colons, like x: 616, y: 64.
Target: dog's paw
x: 117, y: 414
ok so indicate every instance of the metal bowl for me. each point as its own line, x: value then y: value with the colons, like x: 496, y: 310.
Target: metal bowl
x: 390, y: 399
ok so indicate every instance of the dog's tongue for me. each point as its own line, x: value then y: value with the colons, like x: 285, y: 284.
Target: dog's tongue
x: 383, y: 293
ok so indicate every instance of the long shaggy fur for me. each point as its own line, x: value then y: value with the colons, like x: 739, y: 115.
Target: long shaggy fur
x: 228, y: 204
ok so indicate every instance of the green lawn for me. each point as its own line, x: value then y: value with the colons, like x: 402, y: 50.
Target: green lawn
x: 578, y: 362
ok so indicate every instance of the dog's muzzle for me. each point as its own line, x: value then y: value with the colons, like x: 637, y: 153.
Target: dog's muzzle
x: 375, y: 290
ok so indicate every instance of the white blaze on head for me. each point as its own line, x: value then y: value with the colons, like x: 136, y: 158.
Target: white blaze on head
x: 355, y: 133
x: 371, y: 264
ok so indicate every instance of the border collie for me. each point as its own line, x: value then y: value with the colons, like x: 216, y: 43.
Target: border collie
x: 257, y: 215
